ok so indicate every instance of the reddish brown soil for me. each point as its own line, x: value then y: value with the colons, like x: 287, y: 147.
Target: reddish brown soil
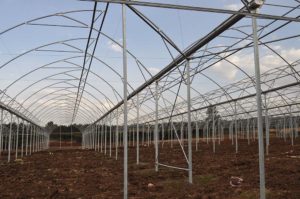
x: 88, y: 174
x: 56, y: 144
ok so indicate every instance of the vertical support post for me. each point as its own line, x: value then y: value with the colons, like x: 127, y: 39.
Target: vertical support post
x: 60, y: 136
x: 197, y: 135
x: 236, y: 128
x: 162, y: 133
x: 87, y: 141
x: 91, y: 132
x: 125, y: 141
x: 98, y: 135
x: 207, y: 131
x: 9, y: 138
x: 38, y: 140
x: 41, y: 139
x: 17, y: 141
x: 284, y: 129
x: 129, y: 136
x: 1, y: 132
x: 44, y: 141
x: 101, y: 137
x: 267, y: 126
x: 171, y: 131
x: 148, y: 135
x: 291, y: 127
x: 219, y: 131
x: 253, y: 129
x: 117, y: 134
x: 89, y: 138
x: 105, y: 137
x: 248, y: 131
x: 133, y: 137
x: 27, y: 132
x: 93, y: 129
x: 138, y: 130
x: 259, y: 110
x: 83, y: 141
x: 213, y: 130
x: 143, y: 135
x: 95, y: 136
x: 110, y: 135
x: 296, y: 127
x: 71, y: 136
x: 188, y: 82
x: 30, y: 139
x: 5, y: 141
x: 156, y: 126
x: 22, y: 145
x: 33, y: 139
x: 182, y: 131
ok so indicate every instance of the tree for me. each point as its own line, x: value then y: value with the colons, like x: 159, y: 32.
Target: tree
x: 211, y: 113
x: 50, y: 126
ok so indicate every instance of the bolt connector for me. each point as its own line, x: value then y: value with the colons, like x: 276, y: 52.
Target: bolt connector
x: 255, y: 4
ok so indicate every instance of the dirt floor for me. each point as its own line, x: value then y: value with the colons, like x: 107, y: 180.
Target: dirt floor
x: 75, y: 173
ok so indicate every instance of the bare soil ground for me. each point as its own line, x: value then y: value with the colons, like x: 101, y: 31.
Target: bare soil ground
x: 56, y: 144
x: 75, y: 173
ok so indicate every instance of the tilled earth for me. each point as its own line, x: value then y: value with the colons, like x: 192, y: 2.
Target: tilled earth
x: 76, y: 173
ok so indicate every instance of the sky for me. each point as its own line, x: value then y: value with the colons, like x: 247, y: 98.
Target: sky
x: 183, y: 27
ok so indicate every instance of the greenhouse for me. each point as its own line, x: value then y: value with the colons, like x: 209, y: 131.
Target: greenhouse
x: 150, y: 99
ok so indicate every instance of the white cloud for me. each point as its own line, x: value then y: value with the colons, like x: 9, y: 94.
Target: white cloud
x: 115, y: 47
x: 234, y: 6
x: 271, y: 60
x: 291, y: 55
x: 153, y: 70
x: 225, y: 69
x: 268, y: 60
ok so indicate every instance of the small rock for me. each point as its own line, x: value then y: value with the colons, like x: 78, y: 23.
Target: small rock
x: 235, y: 181
x: 150, y: 186
x: 294, y: 156
x: 20, y: 161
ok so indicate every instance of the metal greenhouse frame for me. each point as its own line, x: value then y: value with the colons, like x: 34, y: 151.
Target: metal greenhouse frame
x: 166, y: 107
